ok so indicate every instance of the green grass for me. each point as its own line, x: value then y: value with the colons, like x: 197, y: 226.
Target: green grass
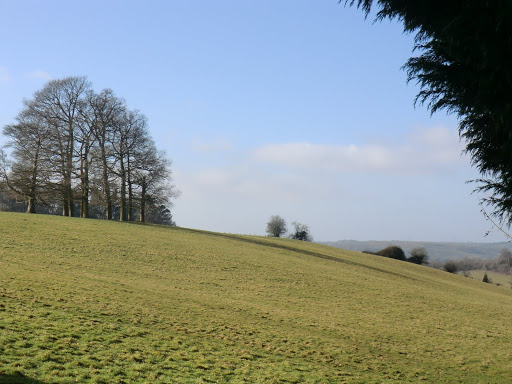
x: 496, y: 277
x: 104, y: 302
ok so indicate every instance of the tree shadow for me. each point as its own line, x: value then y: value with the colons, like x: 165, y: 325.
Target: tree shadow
x: 289, y: 247
x: 17, y: 379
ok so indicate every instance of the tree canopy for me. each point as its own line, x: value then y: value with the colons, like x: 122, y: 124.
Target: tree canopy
x: 464, y: 66
x: 73, y: 147
x: 301, y: 232
x: 393, y: 252
x: 276, y: 226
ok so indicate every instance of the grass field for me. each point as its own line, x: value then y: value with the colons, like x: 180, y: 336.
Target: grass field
x: 104, y: 302
x: 496, y: 277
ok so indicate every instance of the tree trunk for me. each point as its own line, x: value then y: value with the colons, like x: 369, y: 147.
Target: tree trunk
x: 65, y: 207
x: 84, y: 177
x: 70, y: 201
x: 142, y: 216
x: 122, y: 197
x: 130, y: 190
x: 31, y: 206
x: 69, y: 168
x: 106, y: 185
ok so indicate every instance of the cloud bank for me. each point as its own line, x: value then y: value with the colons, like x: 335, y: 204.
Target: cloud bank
x: 423, y: 151
x: 379, y: 190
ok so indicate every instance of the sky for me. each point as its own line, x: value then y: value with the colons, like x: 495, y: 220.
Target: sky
x: 297, y: 108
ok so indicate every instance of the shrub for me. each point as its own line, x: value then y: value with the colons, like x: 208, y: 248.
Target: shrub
x: 393, y: 252
x: 301, y: 232
x: 418, y: 256
x: 450, y: 266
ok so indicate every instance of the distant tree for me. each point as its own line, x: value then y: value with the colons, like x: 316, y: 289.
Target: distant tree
x: 301, y: 232
x: 418, y: 256
x: 505, y: 257
x: 469, y: 264
x: 276, y: 226
x: 450, y: 266
x: 486, y: 279
x: 393, y: 252
x: 160, y: 215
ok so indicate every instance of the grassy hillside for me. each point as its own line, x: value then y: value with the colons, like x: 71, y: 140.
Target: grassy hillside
x: 495, y: 277
x: 104, y: 302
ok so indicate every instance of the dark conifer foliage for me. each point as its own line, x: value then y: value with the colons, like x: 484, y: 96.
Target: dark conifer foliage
x: 464, y: 67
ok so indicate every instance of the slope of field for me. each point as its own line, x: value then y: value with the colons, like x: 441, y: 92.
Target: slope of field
x: 103, y: 302
x: 437, y: 251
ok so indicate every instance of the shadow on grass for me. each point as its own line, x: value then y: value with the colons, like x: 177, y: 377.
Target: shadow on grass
x: 17, y: 379
x: 293, y: 249
x: 278, y: 246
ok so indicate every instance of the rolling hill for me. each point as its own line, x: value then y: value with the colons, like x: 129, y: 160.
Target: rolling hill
x: 104, y: 302
x: 438, y: 251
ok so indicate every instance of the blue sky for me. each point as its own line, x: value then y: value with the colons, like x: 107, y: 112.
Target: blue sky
x: 296, y: 108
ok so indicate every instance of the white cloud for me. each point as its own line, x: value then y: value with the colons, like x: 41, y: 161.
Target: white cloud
x: 4, y: 75
x: 39, y: 74
x: 425, y: 150
x: 341, y: 191
x: 243, y: 181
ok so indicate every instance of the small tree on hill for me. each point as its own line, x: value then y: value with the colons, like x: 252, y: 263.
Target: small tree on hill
x: 450, y: 266
x: 393, y: 252
x: 486, y: 279
x: 301, y: 232
x: 418, y: 256
x: 276, y: 226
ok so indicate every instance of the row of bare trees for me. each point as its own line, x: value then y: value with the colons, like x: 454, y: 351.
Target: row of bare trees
x: 81, y: 149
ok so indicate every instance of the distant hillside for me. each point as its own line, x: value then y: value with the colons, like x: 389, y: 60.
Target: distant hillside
x: 94, y: 301
x: 439, y: 251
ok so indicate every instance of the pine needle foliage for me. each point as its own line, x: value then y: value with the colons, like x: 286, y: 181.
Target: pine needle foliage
x: 464, y: 67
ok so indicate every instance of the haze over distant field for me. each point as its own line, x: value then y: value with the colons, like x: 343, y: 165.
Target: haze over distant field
x: 294, y: 108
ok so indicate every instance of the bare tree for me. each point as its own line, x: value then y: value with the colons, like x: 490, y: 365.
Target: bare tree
x: 276, y: 226
x: 69, y: 141
x: 59, y: 103
x: 129, y: 139
x: 106, y: 112
x: 152, y: 177
x: 301, y: 232
x: 27, y: 175
x: 418, y: 256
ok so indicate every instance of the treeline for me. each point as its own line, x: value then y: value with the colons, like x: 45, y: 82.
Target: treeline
x: 276, y: 227
x: 502, y: 264
x: 84, y: 154
x: 417, y: 255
